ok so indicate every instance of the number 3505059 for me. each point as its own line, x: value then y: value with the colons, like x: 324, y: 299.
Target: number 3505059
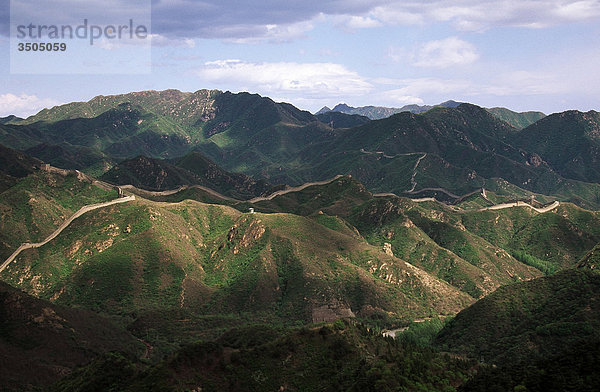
x: 42, y: 47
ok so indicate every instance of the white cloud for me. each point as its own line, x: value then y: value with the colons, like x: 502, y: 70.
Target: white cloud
x: 401, y: 100
x: 445, y: 53
x: 473, y: 15
x: 578, y: 10
x: 355, y: 22
x: 163, y: 41
x: 274, y: 33
x: 428, y: 86
x: 398, y: 15
x: 286, y: 77
x: 23, y: 105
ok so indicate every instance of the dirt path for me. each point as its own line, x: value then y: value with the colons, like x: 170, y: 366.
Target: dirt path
x: 148, y: 350
x: 413, y: 180
x: 64, y: 225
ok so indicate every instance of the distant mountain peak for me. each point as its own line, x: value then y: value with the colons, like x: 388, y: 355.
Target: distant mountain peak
x: 342, y: 107
x: 450, y: 104
x: 379, y: 112
x: 324, y: 109
x: 8, y: 119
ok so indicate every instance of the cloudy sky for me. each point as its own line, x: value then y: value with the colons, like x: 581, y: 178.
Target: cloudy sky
x: 520, y: 54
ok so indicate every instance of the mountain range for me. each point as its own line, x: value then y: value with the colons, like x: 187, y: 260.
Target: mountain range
x: 518, y: 120
x: 236, y: 243
x: 379, y: 112
x: 466, y: 146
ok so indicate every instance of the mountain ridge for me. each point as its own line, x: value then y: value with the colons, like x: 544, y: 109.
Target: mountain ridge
x: 253, y: 135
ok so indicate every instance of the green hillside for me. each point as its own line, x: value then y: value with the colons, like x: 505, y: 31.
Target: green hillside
x: 517, y: 120
x: 471, y: 249
x: 541, y: 334
x: 568, y: 141
x: 37, y: 204
x: 66, y: 156
x: 342, y: 120
x: 590, y: 260
x: 475, y: 251
x: 212, y: 261
x: 186, y: 107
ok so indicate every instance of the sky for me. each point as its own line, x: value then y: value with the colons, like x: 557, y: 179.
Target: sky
x: 520, y: 54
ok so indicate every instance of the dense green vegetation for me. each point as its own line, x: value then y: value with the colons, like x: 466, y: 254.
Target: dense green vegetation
x: 70, y: 157
x: 192, y: 261
x: 568, y: 141
x: 13, y: 166
x: 342, y: 120
x: 544, y: 266
x: 542, y: 334
x: 332, y: 357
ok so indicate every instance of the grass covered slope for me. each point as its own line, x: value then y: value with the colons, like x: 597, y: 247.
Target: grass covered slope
x: 476, y: 251
x: 433, y: 238
x: 427, y: 235
x: 465, y: 148
x: 215, y: 260
x: 554, y: 240
x: 591, y: 260
x: 37, y: 204
x: 125, y: 130
x: 342, y: 120
x: 517, y: 120
x: 66, y: 156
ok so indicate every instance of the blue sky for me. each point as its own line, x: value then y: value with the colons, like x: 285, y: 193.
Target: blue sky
x: 524, y: 55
